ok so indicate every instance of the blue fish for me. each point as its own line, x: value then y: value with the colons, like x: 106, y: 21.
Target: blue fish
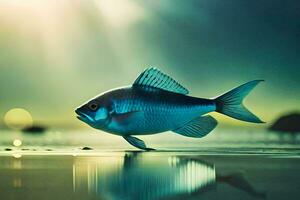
x: 155, y: 103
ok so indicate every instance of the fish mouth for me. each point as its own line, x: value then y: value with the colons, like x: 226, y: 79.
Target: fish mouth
x: 81, y: 116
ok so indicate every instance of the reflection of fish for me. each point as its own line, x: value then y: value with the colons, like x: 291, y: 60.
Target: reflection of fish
x: 156, y: 103
x: 172, y: 178
x: 147, y: 177
x: 139, y: 178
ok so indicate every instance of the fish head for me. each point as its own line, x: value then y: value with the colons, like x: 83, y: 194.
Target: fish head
x: 94, y: 113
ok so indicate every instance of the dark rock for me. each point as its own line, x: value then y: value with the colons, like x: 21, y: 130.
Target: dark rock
x: 289, y: 123
x: 7, y: 149
x: 87, y: 148
x: 35, y: 129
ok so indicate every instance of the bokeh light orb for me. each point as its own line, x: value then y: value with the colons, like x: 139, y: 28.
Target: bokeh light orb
x: 18, y: 119
x: 17, y: 142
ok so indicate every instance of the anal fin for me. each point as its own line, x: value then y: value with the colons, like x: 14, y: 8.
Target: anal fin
x: 198, y: 127
x: 136, y: 142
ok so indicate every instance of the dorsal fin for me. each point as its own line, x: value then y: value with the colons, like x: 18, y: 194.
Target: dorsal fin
x: 155, y: 78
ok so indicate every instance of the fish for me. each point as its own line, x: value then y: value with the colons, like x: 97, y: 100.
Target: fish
x: 156, y: 103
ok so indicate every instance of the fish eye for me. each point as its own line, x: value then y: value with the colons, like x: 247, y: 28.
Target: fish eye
x: 93, y: 106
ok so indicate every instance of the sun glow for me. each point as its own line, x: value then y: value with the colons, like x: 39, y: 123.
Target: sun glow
x: 18, y: 119
x: 119, y: 13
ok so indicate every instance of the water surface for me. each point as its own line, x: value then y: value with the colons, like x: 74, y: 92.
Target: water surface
x: 227, y: 164
x: 149, y: 175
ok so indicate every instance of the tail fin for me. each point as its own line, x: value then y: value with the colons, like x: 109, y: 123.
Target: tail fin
x: 231, y: 103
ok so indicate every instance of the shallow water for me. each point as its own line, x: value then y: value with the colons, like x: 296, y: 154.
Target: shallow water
x: 227, y: 164
x: 70, y: 140
x: 149, y: 175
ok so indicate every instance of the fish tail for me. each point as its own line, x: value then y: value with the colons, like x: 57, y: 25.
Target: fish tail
x: 231, y: 103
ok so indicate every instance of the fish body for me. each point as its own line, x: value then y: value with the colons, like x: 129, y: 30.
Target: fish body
x: 141, y: 110
x: 155, y: 103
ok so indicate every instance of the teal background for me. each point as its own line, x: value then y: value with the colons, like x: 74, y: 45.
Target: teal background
x: 54, y: 55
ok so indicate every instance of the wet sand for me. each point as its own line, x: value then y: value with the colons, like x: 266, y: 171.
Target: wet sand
x: 203, y: 174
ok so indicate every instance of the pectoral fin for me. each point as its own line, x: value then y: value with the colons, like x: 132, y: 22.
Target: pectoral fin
x: 198, y: 127
x: 136, y: 142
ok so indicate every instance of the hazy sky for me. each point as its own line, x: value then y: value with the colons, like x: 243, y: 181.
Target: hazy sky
x: 54, y: 55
